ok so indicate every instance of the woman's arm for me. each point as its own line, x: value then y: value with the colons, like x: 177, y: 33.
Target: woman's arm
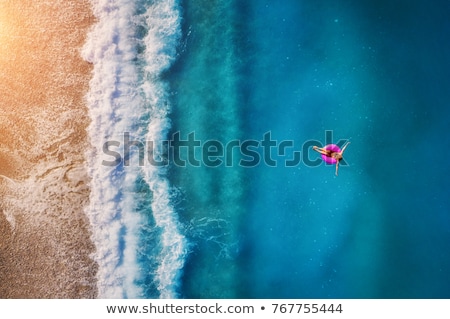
x: 321, y: 150
x: 343, y: 148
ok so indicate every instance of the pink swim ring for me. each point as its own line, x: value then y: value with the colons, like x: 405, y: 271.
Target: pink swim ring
x: 333, y: 148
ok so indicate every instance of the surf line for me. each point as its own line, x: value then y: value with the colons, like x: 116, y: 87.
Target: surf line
x: 114, y: 106
x: 8, y: 179
x: 164, y: 33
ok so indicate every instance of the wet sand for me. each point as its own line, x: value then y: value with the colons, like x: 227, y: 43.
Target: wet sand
x: 45, y: 242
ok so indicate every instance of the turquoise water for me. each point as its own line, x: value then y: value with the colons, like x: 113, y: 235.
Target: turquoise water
x: 208, y: 101
x: 304, y: 72
x: 373, y: 73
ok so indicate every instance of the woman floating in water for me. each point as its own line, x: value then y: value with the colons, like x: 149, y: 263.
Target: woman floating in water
x: 332, y: 154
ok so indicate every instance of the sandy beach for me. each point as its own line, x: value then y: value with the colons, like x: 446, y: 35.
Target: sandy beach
x: 45, y: 242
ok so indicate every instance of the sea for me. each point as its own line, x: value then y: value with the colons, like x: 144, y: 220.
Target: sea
x: 203, y: 180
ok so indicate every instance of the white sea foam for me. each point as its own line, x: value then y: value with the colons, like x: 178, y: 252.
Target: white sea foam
x: 117, y: 99
x: 163, y: 22
x: 114, y: 106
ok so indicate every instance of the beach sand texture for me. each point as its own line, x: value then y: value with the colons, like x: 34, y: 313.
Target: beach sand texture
x: 45, y: 242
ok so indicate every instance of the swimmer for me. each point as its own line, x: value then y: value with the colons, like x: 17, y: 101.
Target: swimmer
x: 335, y: 155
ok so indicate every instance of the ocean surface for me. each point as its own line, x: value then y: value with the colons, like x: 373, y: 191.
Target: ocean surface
x: 375, y: 73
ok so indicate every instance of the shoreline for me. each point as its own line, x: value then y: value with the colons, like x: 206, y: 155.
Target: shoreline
x: 45, y: 236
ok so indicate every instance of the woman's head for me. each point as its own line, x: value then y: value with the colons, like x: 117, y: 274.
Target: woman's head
x: 336, y: 156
